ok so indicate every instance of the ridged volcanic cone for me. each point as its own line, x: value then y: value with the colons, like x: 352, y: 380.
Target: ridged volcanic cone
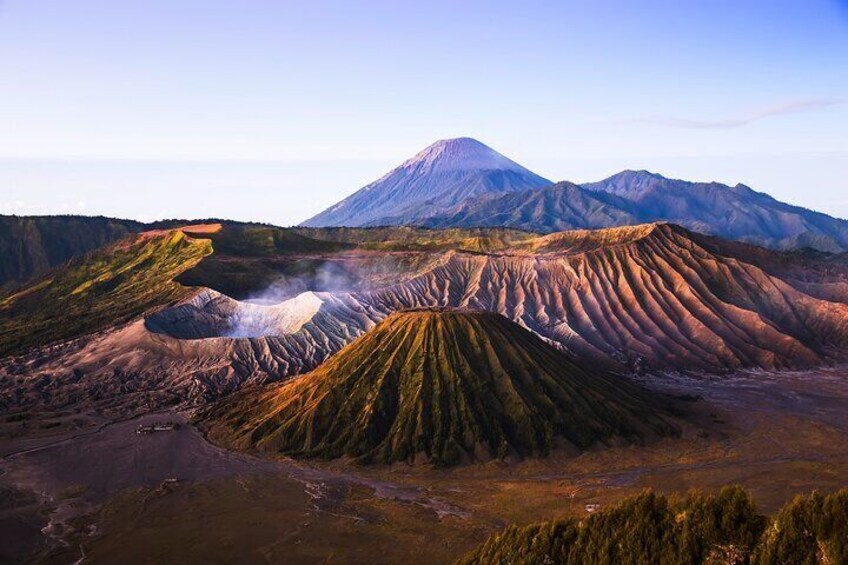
x: 442, y: 387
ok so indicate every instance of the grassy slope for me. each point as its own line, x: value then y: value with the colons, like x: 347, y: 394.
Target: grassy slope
x: 651, y: 528
x: 442, y: 387
x: 31, y: 245
x: 99, y: 290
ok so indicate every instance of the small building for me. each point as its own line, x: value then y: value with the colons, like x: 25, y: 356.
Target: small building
x: 157, y: 427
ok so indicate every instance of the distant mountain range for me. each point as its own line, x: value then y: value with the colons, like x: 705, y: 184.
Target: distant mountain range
x: 463, y: 183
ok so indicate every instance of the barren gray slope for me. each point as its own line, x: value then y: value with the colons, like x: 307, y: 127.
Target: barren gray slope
x: 440, y: 176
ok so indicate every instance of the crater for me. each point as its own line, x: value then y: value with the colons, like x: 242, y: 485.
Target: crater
x: 212, y: 314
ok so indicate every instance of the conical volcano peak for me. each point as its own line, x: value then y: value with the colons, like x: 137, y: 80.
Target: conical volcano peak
x: 460, y: 154
x: 444, y: 387
x: 441, y: 176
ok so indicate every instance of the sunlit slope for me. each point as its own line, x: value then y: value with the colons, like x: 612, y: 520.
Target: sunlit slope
x: 442, y: 387
x: 99, y: 290
x: 651, y: 292
x: 32, y: 245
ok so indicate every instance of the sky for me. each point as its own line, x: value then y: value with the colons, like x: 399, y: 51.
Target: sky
x: 273, y: 110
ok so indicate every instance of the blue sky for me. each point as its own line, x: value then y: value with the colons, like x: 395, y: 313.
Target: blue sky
x: 273, y: 110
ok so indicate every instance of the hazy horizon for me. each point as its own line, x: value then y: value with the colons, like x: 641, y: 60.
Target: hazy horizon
x: 269, y: 112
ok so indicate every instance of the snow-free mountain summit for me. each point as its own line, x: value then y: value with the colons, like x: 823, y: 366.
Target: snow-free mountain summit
x: 439, y: 177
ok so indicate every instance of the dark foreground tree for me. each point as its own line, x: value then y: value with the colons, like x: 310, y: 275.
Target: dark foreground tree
x: 808, y: 530
x: 706, y: 529
x: 645, y: 529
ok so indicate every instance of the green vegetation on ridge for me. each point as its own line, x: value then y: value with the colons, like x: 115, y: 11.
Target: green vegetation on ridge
x: 31, y: 245
x: 699, y: 529
x: 99, y: 290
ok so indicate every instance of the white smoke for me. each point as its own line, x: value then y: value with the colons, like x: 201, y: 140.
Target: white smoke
x: 258, y: 320
x: 327, y: 276
x: 287, y: 303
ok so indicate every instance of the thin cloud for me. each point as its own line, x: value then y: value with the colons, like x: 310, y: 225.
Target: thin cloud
x: 782, y: 109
